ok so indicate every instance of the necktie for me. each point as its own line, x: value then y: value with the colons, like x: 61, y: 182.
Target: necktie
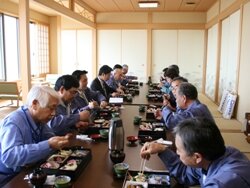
x: 68, y: 109
x: 103, y: 87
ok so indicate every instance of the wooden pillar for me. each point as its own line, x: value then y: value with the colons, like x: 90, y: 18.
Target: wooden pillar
x: 149, y: 45
x: 24, y: 46
x: 55, y: 45
x: 94, y: 53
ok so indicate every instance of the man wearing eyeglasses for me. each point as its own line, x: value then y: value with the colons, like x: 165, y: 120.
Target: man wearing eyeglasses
x: 65, y: 121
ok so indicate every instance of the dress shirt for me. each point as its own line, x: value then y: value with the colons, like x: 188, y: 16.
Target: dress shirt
x: 196, y: 109
x: 64, y: 121
x: 22, y: 142
x: 229, y: 171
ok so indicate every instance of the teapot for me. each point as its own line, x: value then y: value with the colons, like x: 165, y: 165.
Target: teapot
x: 116, y: 140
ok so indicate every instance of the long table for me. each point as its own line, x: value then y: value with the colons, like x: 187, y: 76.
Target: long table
x: 99, y: 171
x: 141, y: 99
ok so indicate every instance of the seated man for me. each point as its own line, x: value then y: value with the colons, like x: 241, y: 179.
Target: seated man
x: 99, y: 83
x: 86, y: 98
x: 25, y: 136
x: 169, y: 75
x: 203, y: 158
x: 188, y: 106
x: 126, y: 78
x: 115, y: 79
x: 169, y: 100
x: 64, y: 120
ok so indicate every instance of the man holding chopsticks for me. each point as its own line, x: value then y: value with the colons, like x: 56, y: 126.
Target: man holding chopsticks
x: 201, y: 157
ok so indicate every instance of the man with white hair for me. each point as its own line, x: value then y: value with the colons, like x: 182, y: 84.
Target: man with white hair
x: 116, y: 78
x: 126, y: 78
x: 25, y: 136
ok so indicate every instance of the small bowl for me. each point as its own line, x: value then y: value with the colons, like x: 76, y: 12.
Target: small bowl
x: 104, y: 133
x: 117, y: 157
x: 132, y: 139
x: 121, y: 169
x: 62, y: 181
x: 95, y: 136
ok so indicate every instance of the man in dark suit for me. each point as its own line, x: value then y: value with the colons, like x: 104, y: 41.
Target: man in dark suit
x: 86, y: 98
x: 99, y: 83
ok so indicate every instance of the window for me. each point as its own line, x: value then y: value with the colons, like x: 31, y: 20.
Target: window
x: 9, y: 48
x: 39, y: 49
x: 10, y: 25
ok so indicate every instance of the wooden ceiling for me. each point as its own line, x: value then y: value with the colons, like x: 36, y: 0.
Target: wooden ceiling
x: 164, y: 5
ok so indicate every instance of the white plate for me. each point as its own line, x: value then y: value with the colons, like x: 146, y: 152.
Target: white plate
x: 129, y: 183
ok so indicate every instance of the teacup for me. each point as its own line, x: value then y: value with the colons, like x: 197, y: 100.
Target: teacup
x: 137, y: 120
x: 141, y: 108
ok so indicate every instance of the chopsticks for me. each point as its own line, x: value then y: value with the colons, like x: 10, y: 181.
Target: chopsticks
x: 142, y: 166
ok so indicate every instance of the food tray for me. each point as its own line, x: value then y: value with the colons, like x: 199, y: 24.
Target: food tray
x: 71, y: 162
x: 150, y: 111
x: 154, y: 129
x: 97, y: 125
x: 155, y: 97
x: 154, y: 91
x: 152, y: 179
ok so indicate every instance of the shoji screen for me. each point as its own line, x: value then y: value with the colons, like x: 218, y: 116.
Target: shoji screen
x: 109, y: 47
x: 244, y: 89
x: 211, y: 61
x: 134, y: 52
x: 190, y: 55
x: 76, y: 51
x: 164, y: 51
x: 182, y: 47
x: 124, y: 47
x: 229, y: 53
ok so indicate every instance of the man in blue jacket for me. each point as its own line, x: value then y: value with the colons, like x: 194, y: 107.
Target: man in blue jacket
x: 65, y: 121
x: 25, y: 136
x: 203, y: 158
x: 188, y: 106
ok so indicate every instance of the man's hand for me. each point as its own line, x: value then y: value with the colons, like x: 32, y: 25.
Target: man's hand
x: 82, y: 125
x: 103, y: 104
x: 150, y: 148
x: 69, y: 140
x: 84, y: 115
x: 93, y: 104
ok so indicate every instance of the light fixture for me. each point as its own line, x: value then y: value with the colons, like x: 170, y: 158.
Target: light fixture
x: 148, y: 4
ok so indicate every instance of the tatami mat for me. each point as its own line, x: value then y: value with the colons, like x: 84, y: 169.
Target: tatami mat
x: 211, y: 106
x: 226, y: 125
x: 237, y: 140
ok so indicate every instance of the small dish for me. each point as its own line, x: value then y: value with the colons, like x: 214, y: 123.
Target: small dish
x: 121, y: 169
x: 99, y: 121
x: 104, y: 133
x: 132, y: 139
x: 62, y: 181
x: 95, y: 136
